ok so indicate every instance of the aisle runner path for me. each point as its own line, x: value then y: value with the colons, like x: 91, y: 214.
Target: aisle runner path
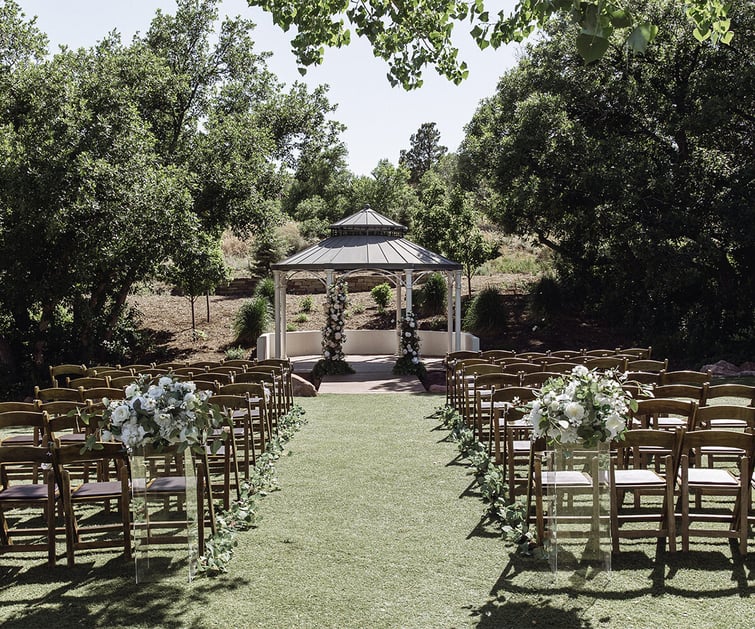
x: 369, y: 529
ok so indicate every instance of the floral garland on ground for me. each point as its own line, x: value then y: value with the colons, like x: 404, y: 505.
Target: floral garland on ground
x: 333, y: 333
x: 242, y: 514
x: 409, y: 361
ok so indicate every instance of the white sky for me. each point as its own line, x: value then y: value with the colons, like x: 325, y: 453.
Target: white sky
x: 379, y: 119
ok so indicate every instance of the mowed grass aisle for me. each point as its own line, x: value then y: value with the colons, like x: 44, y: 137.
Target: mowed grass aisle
x: 375, y: 526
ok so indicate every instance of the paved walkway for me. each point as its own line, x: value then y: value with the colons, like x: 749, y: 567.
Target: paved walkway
x: 373, y: 374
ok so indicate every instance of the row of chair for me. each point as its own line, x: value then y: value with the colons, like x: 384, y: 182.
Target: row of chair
x: 662, y: 471
x: 43, y: 439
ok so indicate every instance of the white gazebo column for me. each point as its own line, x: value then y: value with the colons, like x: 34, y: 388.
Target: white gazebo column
x: 277, y: 313
x: 398, y: 312
x: 408, y: 290
x: 450, y: 309
x: 457, y: 339
x: 282, y: 301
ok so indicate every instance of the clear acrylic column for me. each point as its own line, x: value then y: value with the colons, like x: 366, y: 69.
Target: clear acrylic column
x: 577, y: 497
x: 164, y: 511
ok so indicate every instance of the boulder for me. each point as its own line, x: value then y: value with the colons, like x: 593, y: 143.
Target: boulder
x: 722, y: 368
x: 302, y: 387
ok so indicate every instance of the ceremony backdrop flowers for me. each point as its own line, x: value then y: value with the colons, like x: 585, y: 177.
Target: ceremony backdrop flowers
x: 333, y: 332
x: 168, y: 412
x: 409, y: 360
x: 581, y: 408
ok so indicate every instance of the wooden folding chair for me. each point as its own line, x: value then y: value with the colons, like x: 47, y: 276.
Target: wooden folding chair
x: 69, y: 457
x: 705, y: 482
x: 20, y: 495
x: 631, y: 473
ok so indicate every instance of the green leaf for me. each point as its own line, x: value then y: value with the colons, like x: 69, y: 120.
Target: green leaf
x: 641, y: 36
x: 726, y: 39
x: 620, y: 18
x: 591, y: 47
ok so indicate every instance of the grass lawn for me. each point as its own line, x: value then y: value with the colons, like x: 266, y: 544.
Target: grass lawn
x: 376, y: 526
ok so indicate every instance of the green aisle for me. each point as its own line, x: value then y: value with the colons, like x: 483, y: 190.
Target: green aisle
x: 369, y: 530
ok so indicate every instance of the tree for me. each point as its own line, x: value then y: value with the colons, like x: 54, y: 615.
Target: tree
x: 113, y: 157
x: 198, y: 269
x: 413, y: 34
x: 638, y: 176
x: 387, y: 191
x: 425, y: 151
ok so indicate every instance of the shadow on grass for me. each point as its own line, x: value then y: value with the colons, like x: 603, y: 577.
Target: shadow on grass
x: 107, y: 595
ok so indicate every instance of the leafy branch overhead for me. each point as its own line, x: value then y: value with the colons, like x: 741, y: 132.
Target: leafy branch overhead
x: 413, y: 34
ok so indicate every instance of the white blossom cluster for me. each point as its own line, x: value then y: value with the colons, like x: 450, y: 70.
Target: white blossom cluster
x: 333, y: 335
x: 168, y: 412
x: 584, y: 407
x: 409, y: 349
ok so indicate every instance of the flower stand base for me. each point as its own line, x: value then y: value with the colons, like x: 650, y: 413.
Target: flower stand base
x: 164, y: 508
x: 575, y: 515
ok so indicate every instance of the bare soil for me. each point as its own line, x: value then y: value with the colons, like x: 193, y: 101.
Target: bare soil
x: 167, y: 321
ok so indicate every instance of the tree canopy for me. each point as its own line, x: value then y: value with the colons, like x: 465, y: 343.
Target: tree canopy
x: 424, y: 152
x: 413, y: 34
x: 119, y: 158
x: 639, y: 176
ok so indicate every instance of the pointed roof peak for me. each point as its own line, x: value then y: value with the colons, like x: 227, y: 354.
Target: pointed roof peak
x: 367, y: 221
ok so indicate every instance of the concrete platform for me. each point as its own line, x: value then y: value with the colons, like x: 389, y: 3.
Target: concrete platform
x: 373, y: 375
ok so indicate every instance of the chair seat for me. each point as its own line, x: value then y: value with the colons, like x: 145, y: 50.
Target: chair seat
x: 97, y: 490
x: 25, y: 492
x: 718, y: 424
x: 567, y: 478
x: 521, y: 446
x: 643, y: 477
x: 167, y: 484
x: 711, y: 476
x: 19, y: 440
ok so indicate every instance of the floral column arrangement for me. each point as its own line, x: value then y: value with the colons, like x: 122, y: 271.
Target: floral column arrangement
x: 409, y: 361
x: 333, y: 334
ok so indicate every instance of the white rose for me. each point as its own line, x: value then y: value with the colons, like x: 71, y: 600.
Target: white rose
x: 615, y: 425
x: 120, y: 414
x: 132, y: 390
x: 574, y: 411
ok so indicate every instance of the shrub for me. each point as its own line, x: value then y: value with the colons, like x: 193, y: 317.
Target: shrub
x: 235, y: 353
x: 302, y: 318
x: 306, y: 304
x: 433, y: 295
x: 266, y: 288
x: 546, y: 298
x: 485, y: 313
x: 252, y: 320
x: 382, y: 295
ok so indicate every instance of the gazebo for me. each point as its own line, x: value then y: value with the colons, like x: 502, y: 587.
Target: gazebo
x: 369, y: 241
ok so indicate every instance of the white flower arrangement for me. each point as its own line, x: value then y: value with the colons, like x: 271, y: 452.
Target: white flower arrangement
x: 333, y: 335
x: 168, y: 412
x: 409, y: 360
x: 581, y: 408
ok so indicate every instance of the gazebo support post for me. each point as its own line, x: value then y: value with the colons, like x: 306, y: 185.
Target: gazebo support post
x: 408, y: 290
x: 450, y: 309
x: 282, y: 303
x: 277, y: 307
x: 457, y: 337
x: 399, y: 298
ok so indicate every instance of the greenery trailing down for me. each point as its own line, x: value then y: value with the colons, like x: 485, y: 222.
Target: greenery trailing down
x: 490, y: 478
x: 242, y: 514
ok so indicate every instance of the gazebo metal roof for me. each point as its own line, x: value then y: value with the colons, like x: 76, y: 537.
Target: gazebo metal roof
x: 366, y: 240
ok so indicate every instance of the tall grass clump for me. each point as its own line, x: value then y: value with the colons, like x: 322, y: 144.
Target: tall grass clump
x: 382, y: 295
x: 433, y: 295
x: 252, y: 320
x: 486, y: 312
x: 266, y: 288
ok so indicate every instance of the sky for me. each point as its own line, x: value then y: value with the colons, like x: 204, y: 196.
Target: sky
x: 380, y: 119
